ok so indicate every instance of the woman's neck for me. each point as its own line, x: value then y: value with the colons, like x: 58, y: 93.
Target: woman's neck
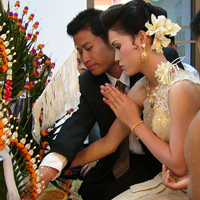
x: 150, y: 66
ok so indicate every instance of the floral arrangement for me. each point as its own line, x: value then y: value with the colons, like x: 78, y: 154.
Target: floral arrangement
x: 159, y: 28
x: 24, y: 73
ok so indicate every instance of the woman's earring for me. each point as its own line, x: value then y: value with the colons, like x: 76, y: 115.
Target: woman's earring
x: 144, y: 54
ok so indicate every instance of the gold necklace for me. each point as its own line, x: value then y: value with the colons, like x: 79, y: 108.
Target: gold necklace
x: 152, y: 94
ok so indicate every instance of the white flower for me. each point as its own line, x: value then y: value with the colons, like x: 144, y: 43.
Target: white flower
x: 163, y: 72
x: 9, y: 57
x: 4, y: 121
x: 34, y: 166
x: 9, y: 77
x: 23, y: 140
x: 33, y: 160
x: 158, y: 24
x: 3, y: 36
x: 172, y: 28
x: 6, y: 43
x: 159, y: 28
x: 7, y: 51
x: 4, y: 137
x: 9, y: 64
x: 158, y: 42
x: 15, y: 135
x: 30, y: 152
x: 7, y: 142
x: 28, y: 146
x: 9, y: 71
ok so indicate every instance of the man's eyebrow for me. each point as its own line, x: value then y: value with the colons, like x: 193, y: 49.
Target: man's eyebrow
x: 83, y: 46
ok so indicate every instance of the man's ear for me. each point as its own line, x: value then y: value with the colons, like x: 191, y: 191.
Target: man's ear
x: 175, y: 47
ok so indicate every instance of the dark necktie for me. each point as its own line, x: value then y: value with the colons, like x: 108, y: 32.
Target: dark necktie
x: 122, y: 163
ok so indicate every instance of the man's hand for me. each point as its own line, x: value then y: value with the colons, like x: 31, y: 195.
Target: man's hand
x: 174, y: 183
x: 86, y: 168
x: 46, y: 174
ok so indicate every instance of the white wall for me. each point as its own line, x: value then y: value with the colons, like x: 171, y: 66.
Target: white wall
x: 56, y: 14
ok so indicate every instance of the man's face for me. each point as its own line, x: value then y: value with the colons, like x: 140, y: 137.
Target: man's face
x: 95, y: 54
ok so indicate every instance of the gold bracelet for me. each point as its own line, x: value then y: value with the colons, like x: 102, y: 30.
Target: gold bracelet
x: 136, y: 126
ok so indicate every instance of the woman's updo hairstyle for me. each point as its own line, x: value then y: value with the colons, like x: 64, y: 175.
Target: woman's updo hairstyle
x: 130, y: 18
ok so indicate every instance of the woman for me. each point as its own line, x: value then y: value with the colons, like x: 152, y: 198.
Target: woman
x: 163, y: 95
x: 192, y: 147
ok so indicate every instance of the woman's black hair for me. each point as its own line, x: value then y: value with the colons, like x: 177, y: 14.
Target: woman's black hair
x: 195, y: 25
x: 131, y: 17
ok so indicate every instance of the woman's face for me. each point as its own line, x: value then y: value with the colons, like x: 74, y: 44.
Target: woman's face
x: 127, y: 51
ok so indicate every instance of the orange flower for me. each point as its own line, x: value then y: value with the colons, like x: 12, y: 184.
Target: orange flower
x: 3, y: 68
x: 47, y: 62
x: 42, y: 152
x: 1, y: 132
x: 34, y: 188
x: 45, y: 145
x: 3, y: 54
x: 31, y: 170
x: 40, y: 158
x: 20, y: 145
x: 14, y: 141
x: 17, y: 4
x: 33, y: 175
x: 40, y: 53
x: 31, y: 16
x: 24, y: 151
x: 27, y: 156
x: 2, y: 47
x: 19, y: 24
x: 29, y: 163
x: 44, y: 132
x: 40, y: 46
x: 52, y: 65
x: 68, y: 112
x: 34, y: 195
x: 25, y: 11
x: 34, y: 183
x: 1, y: 125
x: 5, y: 61
x: 27, y: 87
x: 41, y: 117
x: 2, y: 145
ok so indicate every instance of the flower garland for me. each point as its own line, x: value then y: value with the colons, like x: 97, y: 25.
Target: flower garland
x: 159, y: 28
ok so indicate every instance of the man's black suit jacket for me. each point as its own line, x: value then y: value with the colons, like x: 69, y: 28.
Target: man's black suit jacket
x: 91, y: 109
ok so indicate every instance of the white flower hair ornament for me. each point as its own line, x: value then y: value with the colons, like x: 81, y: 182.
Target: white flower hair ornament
x: 160, y: 27
x: 163, y: 72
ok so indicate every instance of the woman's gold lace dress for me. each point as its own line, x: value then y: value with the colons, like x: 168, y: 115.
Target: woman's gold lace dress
x: 157, y: 118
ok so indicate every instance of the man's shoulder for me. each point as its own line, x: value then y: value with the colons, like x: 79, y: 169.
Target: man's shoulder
x: 191, y: 69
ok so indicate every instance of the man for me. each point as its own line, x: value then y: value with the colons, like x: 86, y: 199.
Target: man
x: 98, y: 56
x: 186, y: 66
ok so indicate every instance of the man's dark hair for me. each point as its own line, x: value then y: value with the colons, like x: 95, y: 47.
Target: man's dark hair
x: 195, y: 25
x: 171, y: 55
x: 87, y: 20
